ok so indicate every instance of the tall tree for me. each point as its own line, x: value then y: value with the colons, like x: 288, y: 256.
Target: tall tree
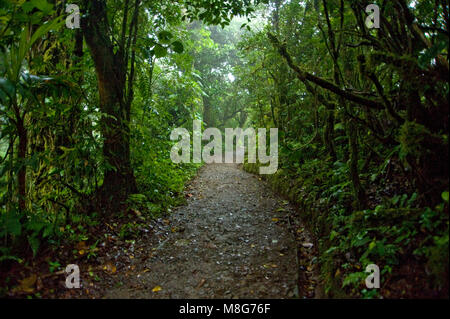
x: 115, y: 67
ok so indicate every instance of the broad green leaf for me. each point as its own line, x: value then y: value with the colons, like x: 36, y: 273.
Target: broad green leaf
x: 178, y: 47
x: 28, y: 6
x: 34, y: 244
x: 43, y: 5
x: 165, y: 37
x: 7, y: 87
x: 160, y: 51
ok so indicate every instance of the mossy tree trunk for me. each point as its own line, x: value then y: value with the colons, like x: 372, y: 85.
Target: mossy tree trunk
x: 112, y: 67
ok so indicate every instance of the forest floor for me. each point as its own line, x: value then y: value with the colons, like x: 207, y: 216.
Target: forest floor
x: 234, y: 238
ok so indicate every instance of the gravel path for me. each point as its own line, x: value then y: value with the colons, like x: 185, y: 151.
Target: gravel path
x: 233, y: 239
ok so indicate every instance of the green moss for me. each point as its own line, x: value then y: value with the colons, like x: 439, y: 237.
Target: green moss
x: 387, y: 235
x: 412, y: 137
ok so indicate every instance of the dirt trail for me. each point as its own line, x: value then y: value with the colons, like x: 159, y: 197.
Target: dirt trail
x: 231, y: 240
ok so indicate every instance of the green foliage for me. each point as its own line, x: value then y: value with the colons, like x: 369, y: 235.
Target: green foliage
x: 372, y: 184
x: 439, y: 47
x: 49, y: 106
x: 363, y: 151
x: 351, y: 240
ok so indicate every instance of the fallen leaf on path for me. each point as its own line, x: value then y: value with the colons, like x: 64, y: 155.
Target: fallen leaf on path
x: 27, y: 285
x: 201, y: 283
x: 81, y: 246
x: 275, y: 219
x: 156, y: 289
x: 177, y: 229
x: 110, y: 268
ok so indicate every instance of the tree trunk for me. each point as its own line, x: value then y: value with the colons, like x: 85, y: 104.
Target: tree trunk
x: 111, y: 71
x: 329, y: 132
x: 207, y: 113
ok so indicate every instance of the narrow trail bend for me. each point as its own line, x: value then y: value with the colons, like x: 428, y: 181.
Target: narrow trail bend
x: 233, y: 239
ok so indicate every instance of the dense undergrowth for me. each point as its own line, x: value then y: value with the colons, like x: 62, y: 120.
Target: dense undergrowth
x: 38, y: 242
x: 407, y: 241
x: 75, y: 158
x: 362, y: 115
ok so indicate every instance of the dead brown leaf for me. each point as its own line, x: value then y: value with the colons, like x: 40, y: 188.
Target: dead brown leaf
x: 110, y: 268
x: 201, y: 283
x: 81, y: 246
x: 26, y: 285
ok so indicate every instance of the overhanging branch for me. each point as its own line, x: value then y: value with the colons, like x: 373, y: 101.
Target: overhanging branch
x: 303, y: 75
